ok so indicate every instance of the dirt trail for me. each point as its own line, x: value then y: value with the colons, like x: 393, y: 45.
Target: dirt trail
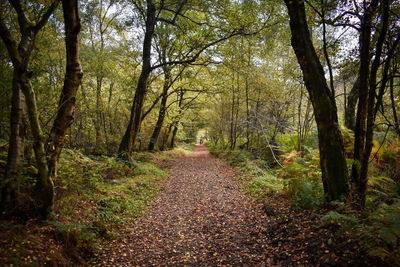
x: 200, y: 218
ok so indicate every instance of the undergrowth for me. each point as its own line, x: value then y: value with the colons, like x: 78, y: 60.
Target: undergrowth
x: 376, y: 229
x: 97, y: 197
x: 299, y: 178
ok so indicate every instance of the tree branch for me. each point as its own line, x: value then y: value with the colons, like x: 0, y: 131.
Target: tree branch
x: 9, y: 42
x: 43, y: 20
x: 195, y: 56
x: 23, y: 19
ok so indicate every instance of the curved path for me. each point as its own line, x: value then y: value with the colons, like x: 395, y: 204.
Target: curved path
x: 201, y: 218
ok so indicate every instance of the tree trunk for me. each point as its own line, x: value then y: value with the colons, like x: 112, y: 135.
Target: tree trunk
x: 350, y: 112
x: 299, y: 124
x: 235, y: 131
x: 166, y: 137
x: 161, y: 114
x: 232, y: 111
x: 359, y: 132
x: 129, y: 138
x: 247, y: 99
x: 332, y: 158
x: 99, y: 110
x: 247, y: 114
x: 44, y: 188
x: 73, y: 77
x: 20, y: 56
x: 12, y: 180
x: 369, y: 133
x: 172, y: 144
x: 396, y: 123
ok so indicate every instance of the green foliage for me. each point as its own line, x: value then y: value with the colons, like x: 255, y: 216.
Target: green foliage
x: 383, y: 231
x: 307, y: 195
x: 98, y: 195
x: 377, y: 230
x: 288, y: 142
x: 75, y: 234
x: 300, y: 177
x: 303, y: 178
x: 348, y: 141
x: 148, y: 169
x: 237, y: 157
x: 334, y: 217
x: 261, y: 187
x: 258, y: 181
x: 387, y: 159
x: 381, y: 189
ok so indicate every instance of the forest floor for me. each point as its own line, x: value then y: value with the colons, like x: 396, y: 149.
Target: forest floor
x: 203, y: 218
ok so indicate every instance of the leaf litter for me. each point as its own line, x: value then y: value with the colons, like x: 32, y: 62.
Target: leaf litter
x: 203, y: 218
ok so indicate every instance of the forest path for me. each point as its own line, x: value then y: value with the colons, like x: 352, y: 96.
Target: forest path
x: 201, y: 217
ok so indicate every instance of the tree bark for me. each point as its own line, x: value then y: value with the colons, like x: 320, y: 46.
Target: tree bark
x: 44, y: 188
x: 129, y: 138
x: 163, y: 109
x: 174, y: 132
x: 166, y: 137
x: 73, y: 77
x: 232, y: 112
x: 20, y: 56
x: 350, y: 112
x: 369, y: 133
x: 99, y: 111
x: 10, y: 186
x: 396, y: 124
x: 332, y: 157
x: 359, y: 132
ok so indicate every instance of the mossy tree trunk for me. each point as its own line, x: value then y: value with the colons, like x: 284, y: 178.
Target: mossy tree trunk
x: 174, y: 132
x: 44, y: 188
x: 359, y: 131
x: 20, y: 53
x: 10, y: 185
x: 72, y: 80
x: 332, y: 157
x: 166, y: 137
x: 350, y: 112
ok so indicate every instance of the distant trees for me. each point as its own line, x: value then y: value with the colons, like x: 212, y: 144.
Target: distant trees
x: 197, y: 36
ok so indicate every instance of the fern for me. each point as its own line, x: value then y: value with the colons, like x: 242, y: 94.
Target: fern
x: 334, y: 217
